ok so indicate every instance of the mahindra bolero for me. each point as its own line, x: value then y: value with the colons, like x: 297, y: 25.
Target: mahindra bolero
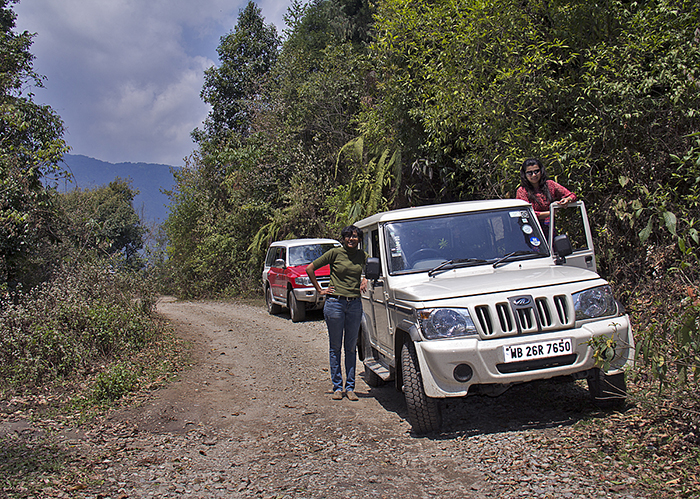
x: 477, y: 296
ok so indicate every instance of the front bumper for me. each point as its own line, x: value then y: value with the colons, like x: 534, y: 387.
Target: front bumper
x: 439, y: 358
x: 310, y: 295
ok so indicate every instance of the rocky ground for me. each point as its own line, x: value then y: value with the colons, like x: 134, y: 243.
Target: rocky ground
x: 253, y: 417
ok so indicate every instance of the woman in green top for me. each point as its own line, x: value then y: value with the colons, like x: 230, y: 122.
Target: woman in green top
x: 343, y: 307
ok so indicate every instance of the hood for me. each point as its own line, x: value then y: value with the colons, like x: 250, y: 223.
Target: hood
x: 485, y: 280
x: 300, y: 270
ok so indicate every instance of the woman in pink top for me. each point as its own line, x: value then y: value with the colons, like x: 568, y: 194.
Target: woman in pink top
x: 540, y: 192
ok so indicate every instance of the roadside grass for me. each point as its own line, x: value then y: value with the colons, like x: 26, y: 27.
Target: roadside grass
x: 70, y: 350
x: 658, y: 434
x: 652, y: 439
x: 39, y: 457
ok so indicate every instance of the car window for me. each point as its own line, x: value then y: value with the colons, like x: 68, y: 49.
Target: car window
x: 271, y: 256
x: 303, y: 255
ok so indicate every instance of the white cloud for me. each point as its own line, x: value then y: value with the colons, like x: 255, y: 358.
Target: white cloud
x: 125, y: 75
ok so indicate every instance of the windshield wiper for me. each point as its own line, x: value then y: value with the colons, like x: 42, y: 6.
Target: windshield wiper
x: 454, y: 263
x: 512, y: 254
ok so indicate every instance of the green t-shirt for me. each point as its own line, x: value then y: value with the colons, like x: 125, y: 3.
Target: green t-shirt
x: 346, y: 269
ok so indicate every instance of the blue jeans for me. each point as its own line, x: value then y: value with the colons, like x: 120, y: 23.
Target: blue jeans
x: 342, y: 316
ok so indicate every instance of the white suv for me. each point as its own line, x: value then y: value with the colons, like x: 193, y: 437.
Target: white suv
x: 471, y: 297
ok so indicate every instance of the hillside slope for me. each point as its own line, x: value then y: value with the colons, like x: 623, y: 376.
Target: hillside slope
x: 147, y: 178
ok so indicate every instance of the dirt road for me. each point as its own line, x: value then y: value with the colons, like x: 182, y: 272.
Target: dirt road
x: 253, y: 417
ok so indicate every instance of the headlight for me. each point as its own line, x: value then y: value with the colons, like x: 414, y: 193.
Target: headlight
x: 446, y: 323
x: 303, y: 280
x: 594, y: 302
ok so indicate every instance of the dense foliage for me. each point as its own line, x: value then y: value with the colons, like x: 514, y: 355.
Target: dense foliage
x: 103, y: 221
x: 82, y: 318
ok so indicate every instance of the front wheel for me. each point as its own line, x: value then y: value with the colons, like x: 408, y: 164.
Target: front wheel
x: 423, y: 411
x: 607, y: 391
x: 272, y: 307
x: 297, y: 310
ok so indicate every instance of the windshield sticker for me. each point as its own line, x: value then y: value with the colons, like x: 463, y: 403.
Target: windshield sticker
x: 535, y: 241
x: 515, y: 214
x: 394, y: 244
x: 527, y: 229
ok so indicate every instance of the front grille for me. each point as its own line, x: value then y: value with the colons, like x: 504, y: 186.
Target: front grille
x: 524, y: 315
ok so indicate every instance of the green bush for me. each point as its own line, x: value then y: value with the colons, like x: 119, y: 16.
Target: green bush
x: 88, y: 315
x: 669, y: 348
x: 117, y: 381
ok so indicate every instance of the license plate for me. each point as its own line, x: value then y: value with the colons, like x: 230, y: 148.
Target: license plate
x: 539, y: 350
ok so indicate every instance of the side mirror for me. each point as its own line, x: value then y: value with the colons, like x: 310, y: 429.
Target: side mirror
x: 372, y: 268
x: 279, y: 264
x: 562, y: 248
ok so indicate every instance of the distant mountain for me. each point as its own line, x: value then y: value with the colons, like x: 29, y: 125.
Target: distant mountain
x: 147, y: 178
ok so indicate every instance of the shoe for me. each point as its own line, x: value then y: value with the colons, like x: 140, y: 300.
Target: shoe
x: 352, y: 395
x: 337, y: 395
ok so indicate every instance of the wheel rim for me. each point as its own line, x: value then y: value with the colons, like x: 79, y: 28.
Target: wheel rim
x: 268, y: 299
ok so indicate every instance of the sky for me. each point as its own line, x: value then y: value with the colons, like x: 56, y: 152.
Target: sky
x: 125, y: 75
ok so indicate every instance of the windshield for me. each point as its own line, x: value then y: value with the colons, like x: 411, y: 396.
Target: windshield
x: 465, y: 238
x: 303, y: 255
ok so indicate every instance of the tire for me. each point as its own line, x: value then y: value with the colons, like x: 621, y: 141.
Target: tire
x: 272, y: 307
x: 367, y: 352
x: 297, y: 310
x: 423, y: 411
x: 607, y: 392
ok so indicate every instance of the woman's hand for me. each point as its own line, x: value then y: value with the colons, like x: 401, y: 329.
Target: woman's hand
x: 565, y: 201
x: 326, y: 291
x: 363, y: 285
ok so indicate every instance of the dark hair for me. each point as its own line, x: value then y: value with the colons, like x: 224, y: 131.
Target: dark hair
x: 542, y: 184
x: 349, y: 231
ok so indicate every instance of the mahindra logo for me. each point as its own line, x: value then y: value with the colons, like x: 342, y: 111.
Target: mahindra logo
x: 521, y: 302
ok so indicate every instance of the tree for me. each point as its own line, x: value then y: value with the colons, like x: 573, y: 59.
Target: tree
x: 104, y: 220
x: 246, y: 55
x: 31, y: 145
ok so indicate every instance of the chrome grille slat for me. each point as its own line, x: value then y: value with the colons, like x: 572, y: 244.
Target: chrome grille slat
x: 484, y: 318
x: 505, y: 318
x: 543, y: 312
x: 527, y: 322
x: 561, y: 304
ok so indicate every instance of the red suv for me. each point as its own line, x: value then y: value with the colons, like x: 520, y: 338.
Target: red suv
x: 284, y: 278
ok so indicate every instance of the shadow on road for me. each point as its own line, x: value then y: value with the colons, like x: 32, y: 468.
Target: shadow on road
x: 535, y: 405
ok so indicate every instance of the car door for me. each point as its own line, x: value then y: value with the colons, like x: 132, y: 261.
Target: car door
x: 378, y: 291
x: 572, y: 220
x: 277, y: 274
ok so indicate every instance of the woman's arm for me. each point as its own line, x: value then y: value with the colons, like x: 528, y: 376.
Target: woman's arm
x: 310, y: 271
x: 561, y: 194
